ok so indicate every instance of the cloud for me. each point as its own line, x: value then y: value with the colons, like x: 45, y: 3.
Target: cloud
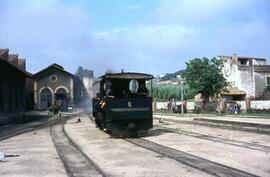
x: 208, y: 11
x: 177, y: 31
x: 140, y: 47
x: 43, y: 31
x: 168, y: 34
x: 132, y: 7
x: 151, y: 36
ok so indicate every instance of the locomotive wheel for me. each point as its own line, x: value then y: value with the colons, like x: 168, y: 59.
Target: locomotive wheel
x: 102, y: 123
x: 142, y: 133
x: 133, y: 133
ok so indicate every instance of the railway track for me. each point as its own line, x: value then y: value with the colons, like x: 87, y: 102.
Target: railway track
x: 252, y: 146
x: 222, y: 126
x: 15, y: 131
x: 205, y: 165
x: 76, y: 163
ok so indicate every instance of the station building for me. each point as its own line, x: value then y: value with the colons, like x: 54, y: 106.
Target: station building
x: 12, y: 87
x: 54, y: 84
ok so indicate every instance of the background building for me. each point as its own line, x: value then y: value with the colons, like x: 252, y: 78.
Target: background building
x: 54, y: 84
x: 12, y: 87
x: 249, y: 74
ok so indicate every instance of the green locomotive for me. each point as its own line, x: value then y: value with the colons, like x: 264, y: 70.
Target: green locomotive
x: 123, y: 106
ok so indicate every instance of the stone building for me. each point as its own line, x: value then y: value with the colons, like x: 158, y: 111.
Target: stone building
x: 249, y: 74
x: 12, y: 87
x: 51, y: 84
x: 54, y: 83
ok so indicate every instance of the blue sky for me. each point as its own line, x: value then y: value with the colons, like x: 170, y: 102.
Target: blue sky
x: 153, y: 36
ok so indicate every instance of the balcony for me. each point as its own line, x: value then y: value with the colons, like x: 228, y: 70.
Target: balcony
x: 262, y: 68
x: 244, y: 67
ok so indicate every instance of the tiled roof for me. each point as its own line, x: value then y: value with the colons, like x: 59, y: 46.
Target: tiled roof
x: 233, y: 91
x: 12, y: 57
x: 48, y: 69
x: 2, y: 51
x: 13, y: 61
x: 57, y: 65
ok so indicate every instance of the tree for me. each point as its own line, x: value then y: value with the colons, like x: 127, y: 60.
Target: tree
x: 205, y: 76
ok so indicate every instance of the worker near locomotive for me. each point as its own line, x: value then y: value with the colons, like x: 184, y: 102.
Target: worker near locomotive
x: 123, y: 107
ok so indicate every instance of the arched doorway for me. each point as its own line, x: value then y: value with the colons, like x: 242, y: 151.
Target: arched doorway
x: 61, y: 97
x: 61, y: 94
x: 45, y: 98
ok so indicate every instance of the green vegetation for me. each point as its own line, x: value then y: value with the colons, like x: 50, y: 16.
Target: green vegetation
x: 205, y: 75
x: 166, y: 92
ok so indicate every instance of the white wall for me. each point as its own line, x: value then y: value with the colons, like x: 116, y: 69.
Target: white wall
x: 164, y: 105
x: 259, y: 105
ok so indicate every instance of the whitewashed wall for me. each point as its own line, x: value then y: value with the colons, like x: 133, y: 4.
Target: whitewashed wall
x: 190, y: 105
x: 259, y: 105
x: 243, y: 105
x: 164, y: 105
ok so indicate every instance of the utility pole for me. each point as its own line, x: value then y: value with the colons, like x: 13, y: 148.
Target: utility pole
x: 182, y: 103
x: 181, y: 82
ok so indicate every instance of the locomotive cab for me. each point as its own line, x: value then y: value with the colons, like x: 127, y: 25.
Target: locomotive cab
x: 124, y: 106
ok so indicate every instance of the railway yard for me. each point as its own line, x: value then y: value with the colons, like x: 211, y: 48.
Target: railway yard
x: 179, y: 146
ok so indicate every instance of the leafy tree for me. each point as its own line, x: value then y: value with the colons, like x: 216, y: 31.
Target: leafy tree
x: 179, y: 72
x: 205, y: 76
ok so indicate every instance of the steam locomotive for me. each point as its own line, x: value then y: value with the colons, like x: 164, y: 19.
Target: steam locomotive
x: 123, y: 106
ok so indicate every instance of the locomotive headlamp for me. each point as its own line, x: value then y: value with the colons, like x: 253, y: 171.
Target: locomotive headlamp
x: 129, y: 104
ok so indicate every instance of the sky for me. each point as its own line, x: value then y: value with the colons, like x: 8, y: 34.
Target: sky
x: 150, y: 36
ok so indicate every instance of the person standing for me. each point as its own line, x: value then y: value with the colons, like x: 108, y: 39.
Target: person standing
x: 198, y: 103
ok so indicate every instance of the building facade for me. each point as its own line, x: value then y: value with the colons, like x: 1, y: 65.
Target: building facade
x: 54, y: 84
x: 249, y: 74
x: 12, y: 87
